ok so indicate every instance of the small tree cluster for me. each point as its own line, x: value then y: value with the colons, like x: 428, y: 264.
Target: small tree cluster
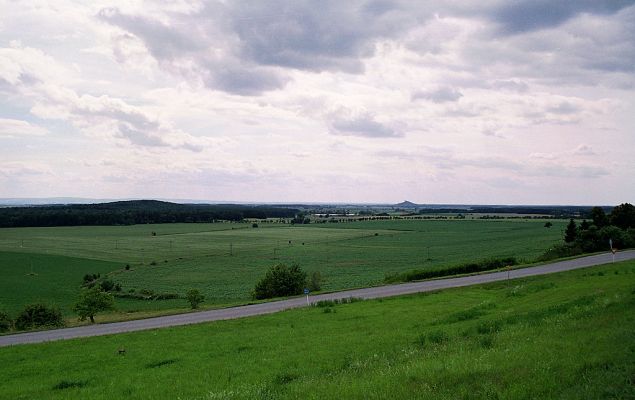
x: 95, y: 280
x: 280, y: 280
x: 37, y: 316
x: 5, y: 322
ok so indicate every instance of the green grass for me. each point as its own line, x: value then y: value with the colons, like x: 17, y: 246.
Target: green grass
x: 224, y: 260
x: 569, y: 335
x: 55, y: 280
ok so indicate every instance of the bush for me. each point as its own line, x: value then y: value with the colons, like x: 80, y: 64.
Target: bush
x: 280, y: 280
x: 107, y: 285
x: 5, y: 322
x: 485, y: 265
x: 38, y: 315
x: 559, y: 251
x: 195, y: 298
x: 314, y: 283
x: 90, y: 280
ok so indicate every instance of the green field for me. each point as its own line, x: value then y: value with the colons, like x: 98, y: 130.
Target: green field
x: 569, y: 335
x: 224, y: 260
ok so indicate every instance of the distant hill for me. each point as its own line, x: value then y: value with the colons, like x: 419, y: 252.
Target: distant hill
x: 407, y: 204
x: 134, y: 212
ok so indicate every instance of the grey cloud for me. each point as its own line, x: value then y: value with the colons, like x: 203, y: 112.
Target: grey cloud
x: 363, y: 126
x: 296, y: 35
x: 584, y: 150
x: 564, y: 108
x: 438, y: 95
x: 512, y: 85
x: 244, y: 47
x: 244, y: 81
x: 163, y: 41
x: 528, y: 15
x: 139, y: 137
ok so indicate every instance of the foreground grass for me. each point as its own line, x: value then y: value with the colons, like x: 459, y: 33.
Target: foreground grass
x: 570, y: 335
x: 224, y: 260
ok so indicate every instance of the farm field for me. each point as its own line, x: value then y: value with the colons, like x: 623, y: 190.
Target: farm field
x: 224, y: 260
x: 526, y: 338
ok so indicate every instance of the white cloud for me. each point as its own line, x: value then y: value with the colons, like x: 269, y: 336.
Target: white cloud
x: 15, y: 128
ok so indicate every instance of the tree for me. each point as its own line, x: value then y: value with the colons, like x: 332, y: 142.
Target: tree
x: 584, y: 225
x: 548, y: 224
x: 38, y: 315
x: 599, y: 217
x: 91, y: 301
x: 623, y: 216
x: 314, y: 283
x: 280, y: 280
x: 5, y: 322
x: 195, y: 297
x: 571, y: 232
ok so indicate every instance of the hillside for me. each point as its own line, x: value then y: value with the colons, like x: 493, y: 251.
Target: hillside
x: 528, y: 338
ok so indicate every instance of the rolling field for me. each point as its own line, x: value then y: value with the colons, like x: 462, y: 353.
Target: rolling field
x: 224, y: 260
x: 522, y: 339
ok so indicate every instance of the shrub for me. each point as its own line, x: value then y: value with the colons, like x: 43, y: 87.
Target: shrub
x: 314, y: 283
x: 5, y: 322
x: 280, y: 280
x: 64, y: 384
x: 559, y: 251
x: 195, y: 298
x: 485, y: 265
x: 38, y: 315
x: 90, y: 280
x: 107, y: 285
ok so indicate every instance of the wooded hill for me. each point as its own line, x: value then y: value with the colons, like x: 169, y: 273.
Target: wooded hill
x: 134, y: 212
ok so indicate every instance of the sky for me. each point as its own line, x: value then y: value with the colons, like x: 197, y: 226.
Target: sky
x: 461, y: 102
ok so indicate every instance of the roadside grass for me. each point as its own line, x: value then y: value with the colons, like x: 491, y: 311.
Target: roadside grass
x: 567, y: 335
x: 224, y: 260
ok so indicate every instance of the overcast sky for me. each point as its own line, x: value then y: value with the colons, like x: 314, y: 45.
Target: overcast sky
x: 490, y: 102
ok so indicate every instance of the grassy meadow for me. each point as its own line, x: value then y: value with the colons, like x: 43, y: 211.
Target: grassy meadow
x: 224, y: 260
x: 569, y: 335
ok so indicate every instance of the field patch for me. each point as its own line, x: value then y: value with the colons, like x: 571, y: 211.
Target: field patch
x: 225, y: 260
x: 31, y: 277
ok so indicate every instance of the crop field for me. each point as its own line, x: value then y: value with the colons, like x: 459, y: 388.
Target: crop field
x: 224, y: 260
x: 523, y: 339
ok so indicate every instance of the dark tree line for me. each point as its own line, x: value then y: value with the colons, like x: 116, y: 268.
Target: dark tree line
x: 598, y: 233
x: 134, y: 212
x: 594, y: 235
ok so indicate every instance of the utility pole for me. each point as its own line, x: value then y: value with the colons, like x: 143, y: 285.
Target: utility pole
x: 231, y: 249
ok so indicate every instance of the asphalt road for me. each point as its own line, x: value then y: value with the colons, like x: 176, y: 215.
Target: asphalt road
x: 275, y: 306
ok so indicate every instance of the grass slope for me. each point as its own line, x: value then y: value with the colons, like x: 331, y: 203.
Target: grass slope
x: 225, y: 260
x: 569, y: 335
